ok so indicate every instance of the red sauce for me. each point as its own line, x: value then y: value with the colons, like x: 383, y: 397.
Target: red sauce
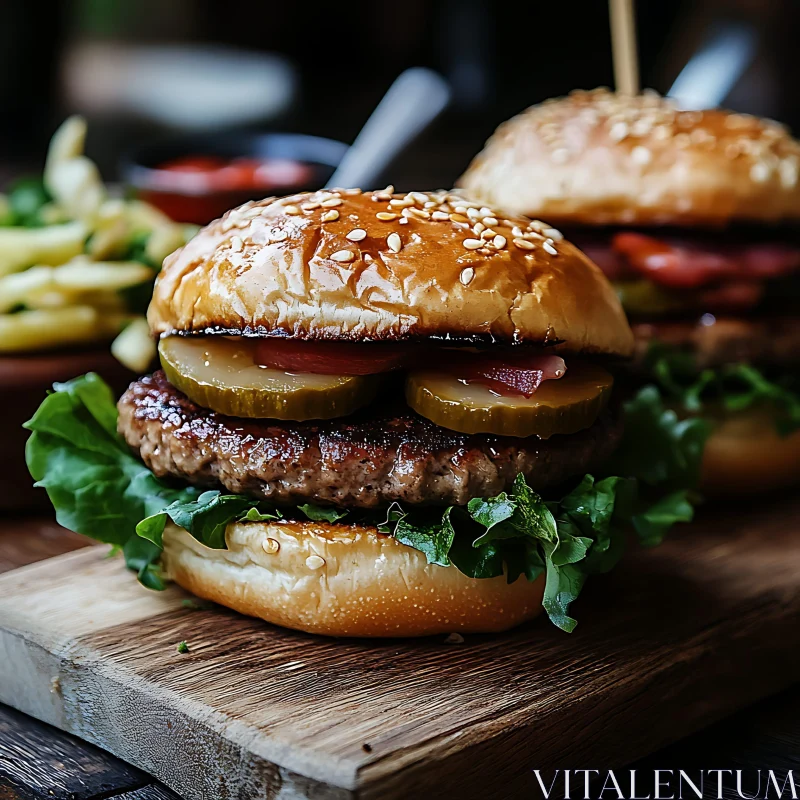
x: 199, y: 188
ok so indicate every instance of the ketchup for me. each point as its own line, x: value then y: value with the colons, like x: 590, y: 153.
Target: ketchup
x: 198, y: 188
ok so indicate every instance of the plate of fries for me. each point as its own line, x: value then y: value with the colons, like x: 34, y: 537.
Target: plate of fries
x: 77, y: 264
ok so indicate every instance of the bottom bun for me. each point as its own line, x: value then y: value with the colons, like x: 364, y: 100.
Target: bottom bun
x: 343, y: 580
x: 746, y: 454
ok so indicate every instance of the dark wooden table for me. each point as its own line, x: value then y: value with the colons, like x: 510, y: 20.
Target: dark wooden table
x: 37, y: 761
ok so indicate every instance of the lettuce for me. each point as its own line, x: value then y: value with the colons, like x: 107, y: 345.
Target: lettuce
x: 101, y: 490
x: 732, y: 387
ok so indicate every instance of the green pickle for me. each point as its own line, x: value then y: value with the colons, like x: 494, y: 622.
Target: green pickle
x: 220, y: 374
x: 565, y: 405
x: 645, y: 297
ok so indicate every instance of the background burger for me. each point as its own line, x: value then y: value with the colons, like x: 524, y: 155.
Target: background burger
x: 378, y: 415
x: 693, y: 216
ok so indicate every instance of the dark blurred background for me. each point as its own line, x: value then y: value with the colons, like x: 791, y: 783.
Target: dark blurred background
x: 140, y: 69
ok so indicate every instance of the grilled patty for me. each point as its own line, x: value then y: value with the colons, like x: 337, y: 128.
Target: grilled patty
x: 365, y: 460
x: 771, y: 342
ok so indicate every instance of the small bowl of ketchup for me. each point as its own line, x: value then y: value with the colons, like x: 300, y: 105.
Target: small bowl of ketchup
x: 197, y: 179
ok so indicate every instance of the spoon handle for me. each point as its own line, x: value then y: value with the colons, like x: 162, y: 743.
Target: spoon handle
x: 413, y: 101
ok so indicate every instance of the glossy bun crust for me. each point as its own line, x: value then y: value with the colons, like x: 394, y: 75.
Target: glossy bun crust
x: 600, y: 158
x: 344, y: 264
x: 342, y: 580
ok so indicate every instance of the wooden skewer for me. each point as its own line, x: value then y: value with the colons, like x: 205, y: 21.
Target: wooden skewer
x: 623, y: 45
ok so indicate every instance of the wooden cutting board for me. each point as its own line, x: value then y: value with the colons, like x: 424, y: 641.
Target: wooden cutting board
x: 677, y: 637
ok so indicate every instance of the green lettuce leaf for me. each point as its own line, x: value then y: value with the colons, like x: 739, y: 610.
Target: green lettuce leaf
x: 657, y: 447
x: 205, y: 518
x: 322, y: 513
x: 96, y: 485
x: 732, y: 387
x: 100, y: 489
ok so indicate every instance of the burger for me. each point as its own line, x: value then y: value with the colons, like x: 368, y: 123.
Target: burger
x: 693, y: 215
x: 378, y: 415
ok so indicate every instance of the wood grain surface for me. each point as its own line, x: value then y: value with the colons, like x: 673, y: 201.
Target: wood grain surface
x: 677, y: 638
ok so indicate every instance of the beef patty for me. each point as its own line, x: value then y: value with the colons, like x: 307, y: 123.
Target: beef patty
x: 771, y: 342
x: 365, y: 460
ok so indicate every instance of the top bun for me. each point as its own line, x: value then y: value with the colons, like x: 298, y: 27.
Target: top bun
x: 601, y: 158
x: 362, y: 266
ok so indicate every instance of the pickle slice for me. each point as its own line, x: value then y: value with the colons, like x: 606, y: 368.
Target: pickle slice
x: 566, y: 405
x: 645, y: 297
x: 221, y: 374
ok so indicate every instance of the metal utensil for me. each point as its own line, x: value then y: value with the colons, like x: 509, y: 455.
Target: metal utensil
x: 413, y: 101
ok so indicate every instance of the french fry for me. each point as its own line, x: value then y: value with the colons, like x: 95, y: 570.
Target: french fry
x: 53, y: 328
x: 163, y: 240
x: 82, y: 275
x: 20, y: 286
x: 143, y: 217
x: 67, y: 143
x: 135, y: 348
x: 53, y: 245
x: 78, y: 188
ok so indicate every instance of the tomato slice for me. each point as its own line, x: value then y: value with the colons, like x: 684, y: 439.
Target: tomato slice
x: 688, y: 264
x: 507, y: 375
x: 333, y: 358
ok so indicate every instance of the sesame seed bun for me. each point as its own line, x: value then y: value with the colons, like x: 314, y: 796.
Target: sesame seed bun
x: 600, y: 158
x: 375, y: 266
x: 342, y: 580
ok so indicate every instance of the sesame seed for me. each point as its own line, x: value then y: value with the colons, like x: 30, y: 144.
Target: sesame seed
x: 460, y: 209
x: 418, y: 197
x: 788, y: 172
x: 330, y: 216
x: 394, y: 242
x: 618, y: 131
x: 458, y: 218
x: 472, y: 244
x: 331, y: 202
x: 278, y: 236
x: 403, y: 221
x: 553, y: 234
x: 236, y: 244
x: 315, y: 562
x: 478, y: 227
x: 381, y: 196
x: 401, y: 202
x: 440, y: 215
x: 292, y: 210
x: 499, y: 241
x: 489, y: 221
x: 352, y: 192
x: 271, y: 546
x: 357, y: 234
x: 467, y: 275
x: 418, y: 212
x: 560, y: 155
x: 550, y: 249
x: 309, y: 206
x: 430, y: 204
x: 474, y: 213
x: 641, y: 155
x: 759, y: 172
x: 524, y: 244
x: 388, y: 190
x: 485, y: 212
x: 488, y: 233
x: 343, y: 256
x: 385, y: 216
x: 516, y: 231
